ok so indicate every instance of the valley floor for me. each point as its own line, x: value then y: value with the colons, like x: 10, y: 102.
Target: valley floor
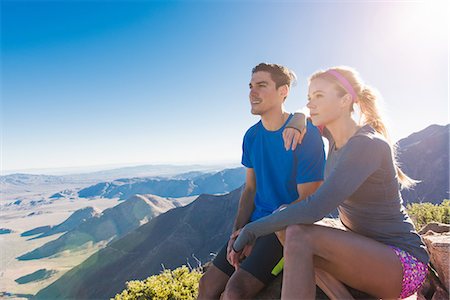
x: 13, y: 245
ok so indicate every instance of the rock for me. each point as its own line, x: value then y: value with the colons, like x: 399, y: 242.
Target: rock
x: 435, y: 227
x: 439, y: 248
x: 440, y: 294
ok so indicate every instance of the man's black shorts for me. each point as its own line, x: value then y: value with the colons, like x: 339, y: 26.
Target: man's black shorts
x: 266, y: 254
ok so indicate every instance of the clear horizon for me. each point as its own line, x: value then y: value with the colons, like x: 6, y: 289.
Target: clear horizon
x: 64, y: 170
x: 94, y: 168
x: 94, y: 83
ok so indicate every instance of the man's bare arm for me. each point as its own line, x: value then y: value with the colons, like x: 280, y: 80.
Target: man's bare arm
x: 245, y: 210
x: 247, y: 201
x: 306, y: 189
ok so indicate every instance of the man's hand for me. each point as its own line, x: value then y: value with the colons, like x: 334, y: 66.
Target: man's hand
x: 233, y: 257
x: 233, y: 238
x: 292, y: 137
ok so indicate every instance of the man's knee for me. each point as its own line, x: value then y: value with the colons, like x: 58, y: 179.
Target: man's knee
x: 212, y: 284
x: 242, y: 286
x: 204, y: 290
x: 235, y: 290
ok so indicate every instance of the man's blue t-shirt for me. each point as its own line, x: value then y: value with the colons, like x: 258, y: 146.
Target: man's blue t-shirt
x: 279, y: 171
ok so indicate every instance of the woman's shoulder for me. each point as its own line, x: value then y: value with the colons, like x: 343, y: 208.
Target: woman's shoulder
x: 368, y: 138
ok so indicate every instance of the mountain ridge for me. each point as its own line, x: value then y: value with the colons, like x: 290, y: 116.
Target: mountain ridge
x: 190, y: 235
x: 110, y: 224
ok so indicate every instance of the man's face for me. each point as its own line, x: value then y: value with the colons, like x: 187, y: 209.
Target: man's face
x: 264, y: 96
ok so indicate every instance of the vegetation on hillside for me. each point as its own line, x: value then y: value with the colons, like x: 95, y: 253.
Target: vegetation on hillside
x: 178, y: 284
x: 424, y: 213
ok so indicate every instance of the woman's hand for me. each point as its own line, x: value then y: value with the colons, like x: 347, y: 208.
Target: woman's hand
x: 292, y: 137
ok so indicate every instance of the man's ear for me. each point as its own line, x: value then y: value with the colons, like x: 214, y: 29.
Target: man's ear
x: 284, y: 90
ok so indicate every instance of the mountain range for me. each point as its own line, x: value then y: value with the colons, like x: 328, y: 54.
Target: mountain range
x: 95, y: 227
x: 97, y: 174
x: 78, y: 217
x: 184, y: 235
x: 424, y: 156
x: 181, y: 186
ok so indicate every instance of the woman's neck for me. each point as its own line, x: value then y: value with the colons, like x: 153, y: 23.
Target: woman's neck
x: 342, y: 130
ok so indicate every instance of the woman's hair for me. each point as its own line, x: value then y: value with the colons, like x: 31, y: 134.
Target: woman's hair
x: 369, y: 107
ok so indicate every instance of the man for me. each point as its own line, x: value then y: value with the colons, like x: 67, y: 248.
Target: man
x: 274, y: 177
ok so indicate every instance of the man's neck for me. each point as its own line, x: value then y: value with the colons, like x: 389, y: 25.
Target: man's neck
x: 273, y: 121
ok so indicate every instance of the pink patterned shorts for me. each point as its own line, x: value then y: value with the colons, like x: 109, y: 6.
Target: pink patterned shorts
x: 414, y: 273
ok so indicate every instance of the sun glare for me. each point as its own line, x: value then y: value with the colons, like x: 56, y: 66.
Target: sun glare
x: 426, y: 19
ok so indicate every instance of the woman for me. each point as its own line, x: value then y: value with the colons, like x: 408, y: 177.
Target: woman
x: 379, y: 253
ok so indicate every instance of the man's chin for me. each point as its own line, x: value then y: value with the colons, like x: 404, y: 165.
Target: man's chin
x: 255, y: 112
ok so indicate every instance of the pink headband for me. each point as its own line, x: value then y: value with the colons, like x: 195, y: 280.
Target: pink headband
x: 348, y: 87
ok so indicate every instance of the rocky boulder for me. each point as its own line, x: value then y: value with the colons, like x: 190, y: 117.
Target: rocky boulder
x: 437, y: 239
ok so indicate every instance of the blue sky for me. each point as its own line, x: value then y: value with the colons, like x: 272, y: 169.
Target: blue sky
x: 111, y: 82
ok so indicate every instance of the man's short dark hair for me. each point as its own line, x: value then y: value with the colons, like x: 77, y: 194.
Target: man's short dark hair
x: 280, y: 74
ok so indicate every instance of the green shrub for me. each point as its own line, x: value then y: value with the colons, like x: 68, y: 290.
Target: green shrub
x: 171, y: 285
x: 424, y: 213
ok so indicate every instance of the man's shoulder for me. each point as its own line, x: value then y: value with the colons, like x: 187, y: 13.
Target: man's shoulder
x: 253, y: 130
x: 312, y: 138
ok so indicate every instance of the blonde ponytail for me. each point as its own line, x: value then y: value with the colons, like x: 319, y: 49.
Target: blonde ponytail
x: 370, y: 113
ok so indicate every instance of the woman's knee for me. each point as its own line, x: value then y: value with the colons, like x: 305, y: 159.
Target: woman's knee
x: 299, y: 238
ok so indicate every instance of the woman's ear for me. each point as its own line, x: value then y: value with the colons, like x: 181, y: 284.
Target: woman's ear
x: 347, y: 100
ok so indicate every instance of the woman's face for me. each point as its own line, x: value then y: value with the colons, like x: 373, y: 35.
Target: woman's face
x: 324, y: 102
